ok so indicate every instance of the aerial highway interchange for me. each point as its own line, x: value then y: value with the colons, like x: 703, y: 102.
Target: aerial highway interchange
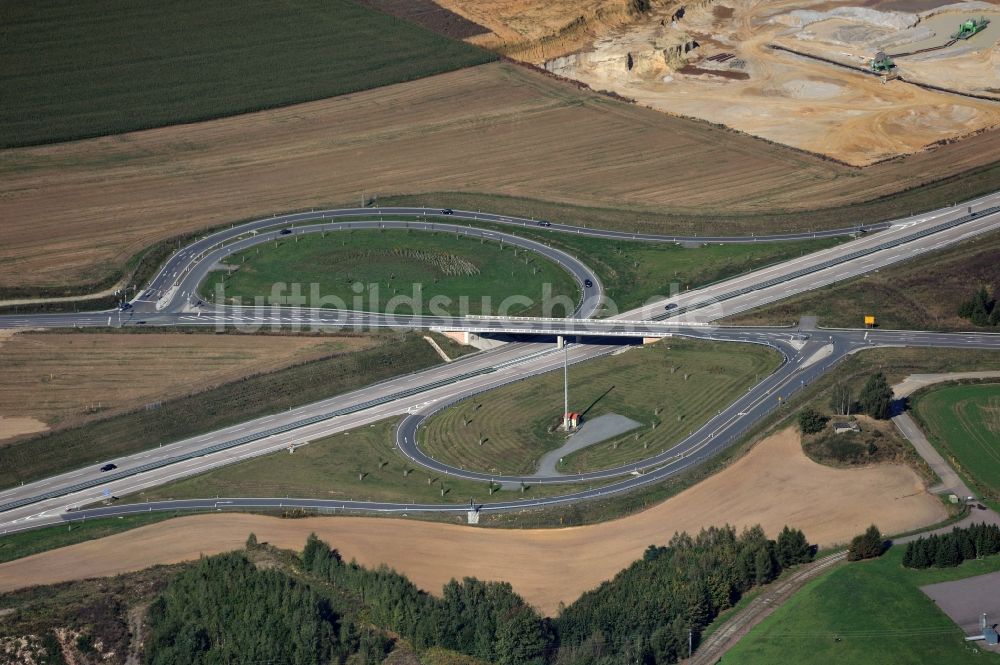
x: 172, y: 299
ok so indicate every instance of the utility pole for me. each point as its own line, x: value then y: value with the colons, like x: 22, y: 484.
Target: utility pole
x: 565, y: 386
x: 690, y: 643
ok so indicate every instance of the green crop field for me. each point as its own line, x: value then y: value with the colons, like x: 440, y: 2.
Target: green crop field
x: 361, y: 464
x: 70, y: 70
x: 671, y: 388
x: 963, y: 421
x: 368, y: 270
x: 865, y: 613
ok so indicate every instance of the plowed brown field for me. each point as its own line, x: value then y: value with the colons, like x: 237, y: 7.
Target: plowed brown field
x: 72, y: 211
x: 773, y: 485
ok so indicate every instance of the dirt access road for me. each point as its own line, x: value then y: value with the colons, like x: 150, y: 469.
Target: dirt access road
x: 774, y: 484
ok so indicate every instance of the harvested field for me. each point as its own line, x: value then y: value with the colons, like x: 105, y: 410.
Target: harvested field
x: 191, y: 413
x: 774, y: 484
x: 65, y: 379
x: 921, y: 294
x: 75, y: 212
x: 18, y: 425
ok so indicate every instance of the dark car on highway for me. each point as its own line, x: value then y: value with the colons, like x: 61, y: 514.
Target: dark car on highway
x: 671, y: 305
x: 109, y: 467
x: 447, y: 211
x: 126, y: 306
x: 588, y: 283
x: 545, y: 222
x: 285, y: 232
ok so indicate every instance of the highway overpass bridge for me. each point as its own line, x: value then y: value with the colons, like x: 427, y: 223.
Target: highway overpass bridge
x: 170, y: 300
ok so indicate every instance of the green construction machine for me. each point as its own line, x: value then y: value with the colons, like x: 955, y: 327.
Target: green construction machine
x: 882, y: 62
x: 971, y: 27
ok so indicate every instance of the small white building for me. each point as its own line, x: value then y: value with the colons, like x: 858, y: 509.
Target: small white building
x: 845, y: 426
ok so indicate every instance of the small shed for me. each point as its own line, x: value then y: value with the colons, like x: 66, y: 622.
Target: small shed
x: 845, y: 426
x: 571, y: 420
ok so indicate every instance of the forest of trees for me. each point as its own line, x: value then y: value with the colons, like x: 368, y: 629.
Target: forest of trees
x: 483, y: 619
x: 950, y: 549
x: 647, y: 613
x: 224, y: 609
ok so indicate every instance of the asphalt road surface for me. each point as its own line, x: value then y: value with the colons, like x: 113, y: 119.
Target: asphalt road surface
x: 168, y: 301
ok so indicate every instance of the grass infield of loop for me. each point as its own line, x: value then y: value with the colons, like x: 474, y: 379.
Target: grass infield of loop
x: 361, y: 464
x: 671, y: 388
x: 373, y: 270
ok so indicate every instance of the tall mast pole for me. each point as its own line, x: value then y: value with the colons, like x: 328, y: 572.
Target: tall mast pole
x: 565, y: 386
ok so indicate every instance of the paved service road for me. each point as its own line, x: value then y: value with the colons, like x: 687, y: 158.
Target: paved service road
x: 807, y: 356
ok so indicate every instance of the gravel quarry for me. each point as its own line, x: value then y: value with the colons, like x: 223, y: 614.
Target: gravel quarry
x: 713, y: 60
